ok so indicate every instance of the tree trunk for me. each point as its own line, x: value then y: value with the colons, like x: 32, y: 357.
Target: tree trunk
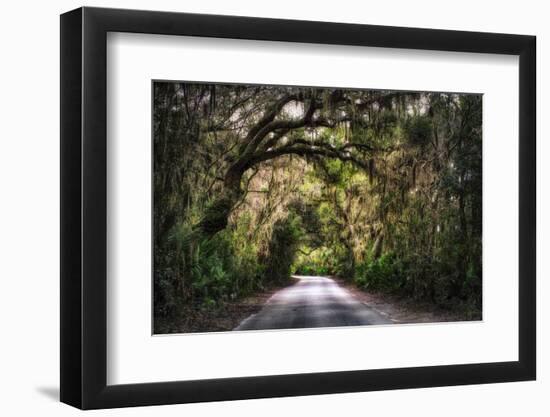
x: 217, y: 214
x: 378, y: 246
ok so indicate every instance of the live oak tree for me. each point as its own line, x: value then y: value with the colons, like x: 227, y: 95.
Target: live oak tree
x: 285, y: 121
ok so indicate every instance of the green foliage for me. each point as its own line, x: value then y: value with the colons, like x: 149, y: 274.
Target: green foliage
x: 217, y: 269
x: 282, y: 248
x: 384, y: 273
x: 317, y: 261
x: 311, y: 269
x: 418, y: 130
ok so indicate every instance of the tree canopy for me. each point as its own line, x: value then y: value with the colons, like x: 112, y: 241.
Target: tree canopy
x: 253, y: 182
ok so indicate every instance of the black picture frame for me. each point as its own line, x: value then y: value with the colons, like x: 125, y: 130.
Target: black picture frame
x: 84, y: 207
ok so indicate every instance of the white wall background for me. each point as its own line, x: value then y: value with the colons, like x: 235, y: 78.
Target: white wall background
x: 29, y: 211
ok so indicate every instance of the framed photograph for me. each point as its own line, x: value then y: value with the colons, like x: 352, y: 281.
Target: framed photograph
x: 258, y: 208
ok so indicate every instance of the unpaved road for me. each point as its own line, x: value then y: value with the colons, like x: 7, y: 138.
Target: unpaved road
x: 312, y: 302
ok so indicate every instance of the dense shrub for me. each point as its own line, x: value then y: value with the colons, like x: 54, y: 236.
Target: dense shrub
x: 282, y: 248
x: 384, y: 273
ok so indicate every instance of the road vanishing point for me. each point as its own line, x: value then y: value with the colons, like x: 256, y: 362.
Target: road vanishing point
x: 313, y: 301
